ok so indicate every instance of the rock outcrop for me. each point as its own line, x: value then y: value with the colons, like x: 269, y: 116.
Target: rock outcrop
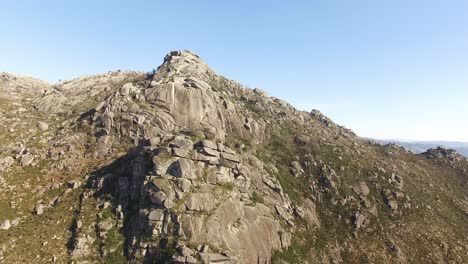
x: 181, y: 165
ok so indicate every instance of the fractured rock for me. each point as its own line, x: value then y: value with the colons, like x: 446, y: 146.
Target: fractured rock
x: 183, y: 168
x: 200, y: 202
x: 230, y: 157
x: 182, y: 153
x: 207, y: 144
x: 156, y: 215
x: 181, y: 142
x: 184, y: 184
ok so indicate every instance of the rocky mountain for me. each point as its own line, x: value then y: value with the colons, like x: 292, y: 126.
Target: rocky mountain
x: 422, y: 146
x: 182, y: 165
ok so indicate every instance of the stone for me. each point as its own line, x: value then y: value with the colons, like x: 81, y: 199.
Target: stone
x: 73, y: 184
x: 285, y: 238
x: 163, y: 185
x: 5, y: 225
x: 390, y: 200
x: 302, y: 139
x: 81, y: 246
x: 26, y: 160
x: 103, y: 146
x: 223, y: 148
x: 396, y: 180
x: 196, y: 83
x: 15, y: 222
x: 260, y: 92
x: 168, y: 204
x: 229, y: 164
x: 362, y: 188
x: 154, y: 141
x: 161, y: 162
x: 139, y: 119
x: 359, y: 220
x: 230, y: 157
x: 326, y: 178
x: 272, y: 183
x: 203, y: 248
x: 181, y: 142
x: 229, y: 106
x: 393, y: 205
x: 208, y: 144
x: 190, y: 260
x: 322, y: 118
x: 204, y: 158
x: 156, y: 215
x: 310, y: 216
x: 39, y: 209
x: 224, y: 175
x: 210, y: 152
x: 297, y: 168
x: 42, y: 126
x: 128, y: 89
x: 177, y: 259
x: 182, y: 168
x: 184, y: 184
x: 200, y: 202
x: 209, y: 258
x: 185, y: 251
x: 158, y: 198
x: 282, y: 213
x: 182, y: 153
x: 6, y: 162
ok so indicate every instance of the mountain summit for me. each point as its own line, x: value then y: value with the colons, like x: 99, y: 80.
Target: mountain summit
x: 181, y: 165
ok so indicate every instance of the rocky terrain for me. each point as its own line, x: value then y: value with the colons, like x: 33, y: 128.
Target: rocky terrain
x: 181, y: 165
x: 421, y: 146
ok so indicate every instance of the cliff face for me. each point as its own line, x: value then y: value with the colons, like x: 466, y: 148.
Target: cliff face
x: 182, y: 165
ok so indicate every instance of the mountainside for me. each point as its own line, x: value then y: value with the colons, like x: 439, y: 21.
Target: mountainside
x: 182, y: 165
x: 422, y: 146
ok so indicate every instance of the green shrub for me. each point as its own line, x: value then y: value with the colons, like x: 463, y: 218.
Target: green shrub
x: 257, y: 198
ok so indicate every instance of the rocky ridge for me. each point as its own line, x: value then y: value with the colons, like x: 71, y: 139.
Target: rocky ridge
x: 181, y: 165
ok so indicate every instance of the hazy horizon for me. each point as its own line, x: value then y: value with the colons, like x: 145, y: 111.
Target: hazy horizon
x: 385, y: 70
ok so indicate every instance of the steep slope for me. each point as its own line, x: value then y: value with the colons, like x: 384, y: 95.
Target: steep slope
x: 182, y: 165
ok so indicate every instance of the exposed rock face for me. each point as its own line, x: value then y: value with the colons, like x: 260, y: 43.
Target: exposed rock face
x: 176, y: 98
x: 181, y: 165
x: 200, y: 201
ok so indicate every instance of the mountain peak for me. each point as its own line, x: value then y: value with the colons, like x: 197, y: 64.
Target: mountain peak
x: 181, y: 53
x: 186, y: 166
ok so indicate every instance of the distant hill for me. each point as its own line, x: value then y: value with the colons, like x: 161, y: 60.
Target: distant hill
x: 421, y: 146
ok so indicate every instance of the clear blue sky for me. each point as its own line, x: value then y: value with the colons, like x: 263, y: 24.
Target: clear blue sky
x: 386, y: 69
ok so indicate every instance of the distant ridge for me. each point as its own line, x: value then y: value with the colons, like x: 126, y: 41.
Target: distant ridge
x: 422, y: 146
